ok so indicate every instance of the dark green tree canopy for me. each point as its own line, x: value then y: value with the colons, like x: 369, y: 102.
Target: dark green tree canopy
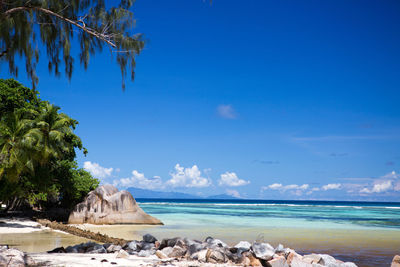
x: 37, y: 151
x: 57, y: 22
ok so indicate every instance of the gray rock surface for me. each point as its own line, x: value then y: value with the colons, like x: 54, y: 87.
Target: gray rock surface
x: 122, y: 254
x: 96, y: 249
x: 280, y: 249
x: 113, y: 248
x: 147, y: 246
x: 148, y: 238
x: 312, y: 258
x: 107, y: 205
x: 214, y: 243
x: 133, y: 245
x: 177, y: 252
x: 200, y: 255
x: 297, y: 262
x: 146, y: 253
x: 244, y: 245
x: 167, y: 250
x: 328, y: 260
x: 349, y: 264
x: 278, y: 262
x: 13, y: 257
x: 263, y: 251
x: 195, y: 247
x: 216, y: 256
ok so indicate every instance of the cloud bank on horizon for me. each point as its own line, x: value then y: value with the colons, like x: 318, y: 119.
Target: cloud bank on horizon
x: 192, y: 177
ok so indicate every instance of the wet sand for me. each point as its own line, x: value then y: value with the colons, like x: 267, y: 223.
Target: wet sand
x: 40, y: 241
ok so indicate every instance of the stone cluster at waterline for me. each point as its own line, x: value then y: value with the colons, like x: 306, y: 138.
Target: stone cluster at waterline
x: 209, y: 251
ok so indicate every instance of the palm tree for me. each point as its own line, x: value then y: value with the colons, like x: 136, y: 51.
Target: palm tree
x: 18, y: 145
x: 55, y: 130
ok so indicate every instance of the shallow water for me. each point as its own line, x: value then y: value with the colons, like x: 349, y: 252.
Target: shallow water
x: 40, y: 241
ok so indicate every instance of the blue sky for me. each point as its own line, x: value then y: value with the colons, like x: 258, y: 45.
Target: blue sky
x: 262, y: 99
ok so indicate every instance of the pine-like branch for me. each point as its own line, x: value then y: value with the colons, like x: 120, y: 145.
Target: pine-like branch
x: 102, y: 36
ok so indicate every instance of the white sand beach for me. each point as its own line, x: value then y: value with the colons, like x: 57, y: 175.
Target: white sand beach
x: 81, y: 260
x: 19, y: 226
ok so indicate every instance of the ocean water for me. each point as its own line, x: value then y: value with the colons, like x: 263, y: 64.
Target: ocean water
x: 363, y: 232
x: 367, y: 233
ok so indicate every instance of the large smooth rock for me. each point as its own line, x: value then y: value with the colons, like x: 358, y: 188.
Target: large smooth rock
x: 312, y: 258
x: 107, y: 205
x: 200, y: 255
x: 215, y: 243
x: 328, y: 260
x: 244, y: 245
x: 11, y: 257
x: 396, y: 261
x: 278, y: 262
x: 148, y: 238
x: 263, y: 251
x: 177, y: 252
x: 297, y: 262
x: 215, y: 256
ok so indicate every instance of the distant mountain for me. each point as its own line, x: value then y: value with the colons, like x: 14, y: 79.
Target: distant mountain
x: 222, y: 196
x: 145, y: 193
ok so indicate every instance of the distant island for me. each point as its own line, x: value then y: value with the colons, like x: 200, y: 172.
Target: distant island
x: 145, y: 193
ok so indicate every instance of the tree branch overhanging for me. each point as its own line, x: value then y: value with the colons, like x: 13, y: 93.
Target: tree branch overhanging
x: 102, y: 36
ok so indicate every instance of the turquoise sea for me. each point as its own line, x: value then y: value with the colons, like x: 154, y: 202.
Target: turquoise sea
x: 367, y: 233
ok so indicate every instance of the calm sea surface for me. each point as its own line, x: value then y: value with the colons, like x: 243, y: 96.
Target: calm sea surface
x: 367, y: 233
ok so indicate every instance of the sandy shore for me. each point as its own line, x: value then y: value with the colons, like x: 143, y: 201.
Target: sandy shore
x: 19, y: 226
x: 80, y: 260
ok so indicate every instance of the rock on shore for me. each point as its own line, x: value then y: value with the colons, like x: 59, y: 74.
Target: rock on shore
x: 211, y: 251
x: 107, y: 205
x: 14, y: 257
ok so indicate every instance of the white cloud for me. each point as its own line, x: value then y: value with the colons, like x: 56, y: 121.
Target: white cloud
x: 233, y: 193
x: 96, y: 170
x: 331, y: 187
x: 187, y: 177
x: 379, y: 187
x: 140, y: 181
x: 277, y: 186
x: 226, y: 112
x: 231, y: 179
x: 383, y: 184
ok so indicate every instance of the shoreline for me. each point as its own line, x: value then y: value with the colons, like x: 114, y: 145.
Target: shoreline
x: 24, y: 226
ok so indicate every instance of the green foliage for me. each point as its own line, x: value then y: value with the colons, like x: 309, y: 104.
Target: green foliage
x: 54, y: 23
x: 15, y: 96
x: 74, y: 183
x: 37, y: 151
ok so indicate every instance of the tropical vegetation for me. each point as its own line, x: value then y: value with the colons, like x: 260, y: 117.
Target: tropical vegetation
x: 28, y: 26
x: 37, y: 152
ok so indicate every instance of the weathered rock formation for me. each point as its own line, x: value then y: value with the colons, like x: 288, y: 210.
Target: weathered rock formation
x: 107, y: 205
